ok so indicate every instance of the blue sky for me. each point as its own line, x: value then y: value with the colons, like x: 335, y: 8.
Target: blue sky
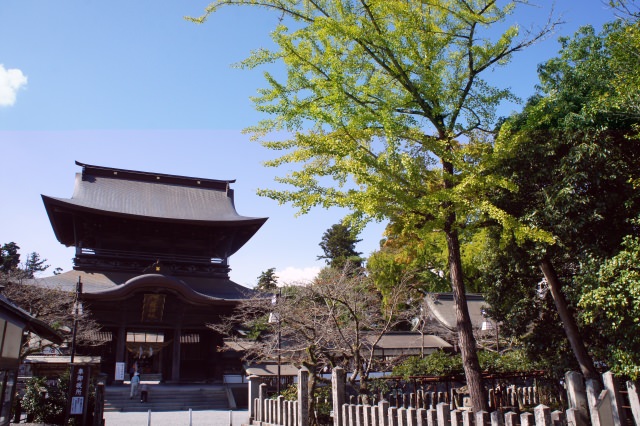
x: 131, y: 84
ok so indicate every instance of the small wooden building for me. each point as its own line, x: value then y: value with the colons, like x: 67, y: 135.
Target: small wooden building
x: 14, y: 322
x: 152, y: 254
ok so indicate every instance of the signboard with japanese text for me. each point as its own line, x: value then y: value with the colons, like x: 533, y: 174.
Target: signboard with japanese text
x: 120, y: 368
x: 79, y: 390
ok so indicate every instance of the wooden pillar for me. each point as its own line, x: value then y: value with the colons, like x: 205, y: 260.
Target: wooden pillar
x: 121, y: 348
x: 175, y: 358
x: 98, y: 411
x: 121, y: 344
x: 303, y: 397
x: 337, y: 393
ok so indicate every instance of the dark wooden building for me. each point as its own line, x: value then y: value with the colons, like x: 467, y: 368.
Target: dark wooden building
x: 152, y: 254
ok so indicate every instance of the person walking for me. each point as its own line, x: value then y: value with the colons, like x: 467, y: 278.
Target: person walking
x: 135, y: 381
x: 144, y: 392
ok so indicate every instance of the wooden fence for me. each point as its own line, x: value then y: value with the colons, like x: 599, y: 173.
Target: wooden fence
x: 266, y: 411
x: 615, y: 405
x: 500, y: 397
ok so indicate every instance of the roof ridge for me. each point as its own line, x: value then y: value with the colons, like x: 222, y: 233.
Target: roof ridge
x: 141, y: 176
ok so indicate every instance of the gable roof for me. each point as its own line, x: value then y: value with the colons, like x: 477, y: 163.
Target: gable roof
x: 103, y: 197
x: 151, y: 195
x: 32, y: 324
x: 441, y: 306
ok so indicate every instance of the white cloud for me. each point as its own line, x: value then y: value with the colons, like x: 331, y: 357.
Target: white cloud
x: 11, y: 80
x: 297, y: 276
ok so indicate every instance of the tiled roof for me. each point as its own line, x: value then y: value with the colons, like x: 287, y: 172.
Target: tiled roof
x: 156, y: 200
x: 101, y: 283
x: 442, y: 307
x: 401, y: 340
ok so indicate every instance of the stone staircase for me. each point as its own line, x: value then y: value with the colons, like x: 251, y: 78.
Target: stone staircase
x: 168, y: 398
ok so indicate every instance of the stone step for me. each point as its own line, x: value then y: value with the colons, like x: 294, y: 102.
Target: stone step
x: 168, y: 398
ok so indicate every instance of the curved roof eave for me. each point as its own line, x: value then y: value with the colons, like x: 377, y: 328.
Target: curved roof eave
x: 52, y: 202
x: 155, y: 282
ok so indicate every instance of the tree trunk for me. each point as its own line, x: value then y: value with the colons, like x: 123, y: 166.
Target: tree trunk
x: 311, y: 364
x: 466, y: 340
x: 568, y: 322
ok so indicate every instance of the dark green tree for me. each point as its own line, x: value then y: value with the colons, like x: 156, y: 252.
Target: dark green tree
x: 339, y: 246
x: 34, y: 264
x: 573, y: 154
x: 267, y: 281
x: 10, y: 257
x: 610, y: 301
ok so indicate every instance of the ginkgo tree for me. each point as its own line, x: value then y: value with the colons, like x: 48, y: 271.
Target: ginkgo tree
x: 382, y: 101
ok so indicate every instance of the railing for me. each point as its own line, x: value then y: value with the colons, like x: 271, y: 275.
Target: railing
x: 279, y: 411
x: 615, y: 405
x: 120, y: 254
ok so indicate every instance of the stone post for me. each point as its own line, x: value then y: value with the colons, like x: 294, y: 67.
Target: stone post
x: 577, y: 397
x: 303, y: 397
x: 432, y: 417
x: 593, y: 393
x: 359, y: 415
x: 483, y: 418
x: 456, y: 418
x: 392, y: 416
x: 444, y: 414
x: 467, y: 418
x: 337, y: 394
x: 375, y: 416
x: 558, y: 418
x: 412, y: 419
x: 542, y: 414
x: 634, y: 400
x: 383, y: 413
x: 611, y: 384
x: 604, y: 409
x: 351, y: 418
x: 510, y: 419
x: 402, y: 416
x: 421, y: 417
x: 366, y: 415
x: 280, y: 410
x: 576, y: 417
x: 254, y: 386
x: 497, y: 419
x: 262, y: 395
x: 527, y: 419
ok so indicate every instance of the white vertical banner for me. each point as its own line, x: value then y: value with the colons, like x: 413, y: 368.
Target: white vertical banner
x: 120, y: 367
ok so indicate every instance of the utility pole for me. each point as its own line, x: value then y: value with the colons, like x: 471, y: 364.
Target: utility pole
x: 76, y: 313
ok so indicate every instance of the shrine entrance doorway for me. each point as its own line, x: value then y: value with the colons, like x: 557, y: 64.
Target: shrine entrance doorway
x: 145, y: 352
